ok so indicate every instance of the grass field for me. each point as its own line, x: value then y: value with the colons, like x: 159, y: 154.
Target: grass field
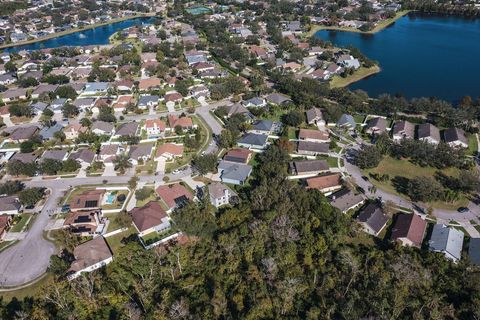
x: 152, y: 197
x: 24, y: 218
x: 115, y: 242
x: 340, y: 82
x: 472, y: 144
x: 29, y: 291
x: 406, y: 169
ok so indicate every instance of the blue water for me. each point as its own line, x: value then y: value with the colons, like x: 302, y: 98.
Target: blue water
x: 97, y: 35
x: 420, y: 56
x: 110, y: 198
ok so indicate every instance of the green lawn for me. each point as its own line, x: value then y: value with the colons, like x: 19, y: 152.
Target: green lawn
x: 404, y: 168
x: 361, y: 73
x: 21, y: 222
x: 155, y: 236
x: 472, y: 144
x: 152, y: 197
x: 332, y: 162
x: 113, y: 224
x: 292, y: 133
x: 149, y: 167
x: 115, y: 242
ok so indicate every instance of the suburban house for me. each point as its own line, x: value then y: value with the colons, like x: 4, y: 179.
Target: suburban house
x: 376, y: 126
x: 238, y: 108
x: 108, y: 152
x: 14, y: 94
x: 234, y: 172
x: 346, y: 121
x: 73, y: 130
x: 23, y: 134
x: 24, y: 157
x: 326, y: 183
x: 154, y: 127
x: 185, y: 123
x: 220, y: 194
x: 87, y: 200
x: 409, y: 230
x: 320, y: 136
x: 150, y: 218
x: 239, y: 155
x: 429, y: 133
x: 308, y: 148
x: 174, y: 195
x: 255, y: 102
x: 90, y: 256
x: 5, y: 222
x: 455, y: 138
x: 345, y: 200
x: 373, y: 219
x: 267, y: 127
x: 102, y: 128
x: 308, y: 167
x: 315, y: 117
x: 94, y: 88
x: 172, y: 98
x: 253, y: 141
x: 140, y: 153
x: 277, y: 99
x: 128, y: 129
x: 403, y: 130
x: 473, y: 251
x: 83, y: 223
x: 148, y: 101
x: 58, y: 154
x: 448, y: 241
x: 149, y: 84
x: 169, y: 151
x: 84, y: 156
x: 9, y: 205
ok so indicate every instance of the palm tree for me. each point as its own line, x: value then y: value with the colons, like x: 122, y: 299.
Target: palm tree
x: 122, y: 162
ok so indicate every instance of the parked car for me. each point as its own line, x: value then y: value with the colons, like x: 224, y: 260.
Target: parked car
x: 462, y: 209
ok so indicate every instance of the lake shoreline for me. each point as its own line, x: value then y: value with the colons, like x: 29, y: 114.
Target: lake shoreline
x: 380, y: 26
x: 358, y: 75
x: 75, y: 30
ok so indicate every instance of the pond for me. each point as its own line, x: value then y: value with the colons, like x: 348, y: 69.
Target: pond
x: 420, y: 56
x: 98, y: 35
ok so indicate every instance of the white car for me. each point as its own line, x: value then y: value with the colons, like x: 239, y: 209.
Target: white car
x: 175, y: 171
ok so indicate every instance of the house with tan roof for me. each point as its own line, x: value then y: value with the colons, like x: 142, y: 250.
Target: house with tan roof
x: 320, y: 136
x: 169, y: 151
x: 90, y: 256
x: 150, y: 218
x: 73, y: 130
x: 154, y: 127
x: 174, y: 195
x: 172, y: 98
x: 326, y: 183
x: 185, y: 123
x: 123, y: 102
x: 149, y: 84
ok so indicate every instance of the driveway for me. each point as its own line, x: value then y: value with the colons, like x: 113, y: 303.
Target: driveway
x: 109, y: 171
x: 8, y: 122
x: 161, y: 163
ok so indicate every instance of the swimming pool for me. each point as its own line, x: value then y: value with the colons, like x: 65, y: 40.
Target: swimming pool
x: 110, y: 198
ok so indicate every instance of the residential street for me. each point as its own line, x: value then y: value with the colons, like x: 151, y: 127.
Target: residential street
x: 29, y: 258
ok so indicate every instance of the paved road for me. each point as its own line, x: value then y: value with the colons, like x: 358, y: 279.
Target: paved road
x: 443, y: 216
x: 30, y: 258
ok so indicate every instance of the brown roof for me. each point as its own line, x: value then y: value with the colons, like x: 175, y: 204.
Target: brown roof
x: 148, y: 216
x: 89, y: 199
x: 24, y: 133
x: 173, y: 96
x: 174, y: 194
x: 89, y: 253
x: 238, y: 155
x: 149, y: 83
x: 410, y: 226
x: 313, y: 134
x: 325, y: 181
x: 184, y: 122
x: 174, y: 149
x: 150, y: 123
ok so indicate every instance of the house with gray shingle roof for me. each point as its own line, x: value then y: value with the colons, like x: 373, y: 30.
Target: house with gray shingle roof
x: 474, y: 251
x: 346, y: 199
x: 233, y: 172
x: 429, y: 133
x: 373, y: 219
x: 455, y: 138
x: 448, y: 241
x: 403, y: 130
x: 346, y: 121
x: 127, y: 129
x: 253, y: 141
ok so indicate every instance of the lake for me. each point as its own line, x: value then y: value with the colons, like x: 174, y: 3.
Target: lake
x: 98, y: 35
x: 420, y: 56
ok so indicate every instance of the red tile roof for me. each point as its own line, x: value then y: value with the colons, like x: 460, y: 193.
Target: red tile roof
x: 170, y: 193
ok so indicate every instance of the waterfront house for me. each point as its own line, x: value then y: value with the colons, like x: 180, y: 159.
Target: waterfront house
x: 376, y: 126
x: 346, y: 121
x: 403, y: 130
x: 315, y: 117
x: 455, y: 138
x: 429, y: 133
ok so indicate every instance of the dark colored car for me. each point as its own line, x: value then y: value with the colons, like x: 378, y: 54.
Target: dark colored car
x: 365, y: 178
x: 462, y: 209
x: 65, y: 208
